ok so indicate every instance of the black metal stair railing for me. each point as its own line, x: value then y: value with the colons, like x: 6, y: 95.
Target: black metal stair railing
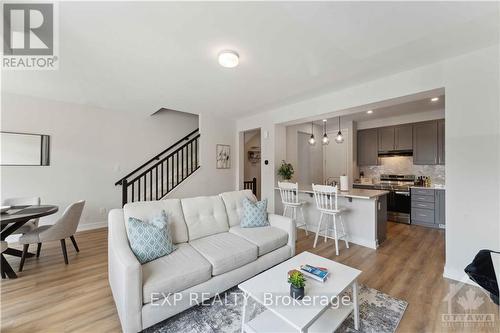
x: 251, y: 185
x: 161, y: 174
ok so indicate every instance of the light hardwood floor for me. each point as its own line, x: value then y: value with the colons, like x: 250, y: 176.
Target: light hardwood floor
x: 51, y: 297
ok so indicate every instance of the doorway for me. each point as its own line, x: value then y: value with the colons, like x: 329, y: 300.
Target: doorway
x: 252, y: 161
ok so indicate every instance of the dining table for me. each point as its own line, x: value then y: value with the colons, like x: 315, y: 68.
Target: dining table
x: 11, y: 220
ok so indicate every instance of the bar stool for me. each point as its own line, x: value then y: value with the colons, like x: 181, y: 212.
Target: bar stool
x: 327, y: 203
x: 290, y: 198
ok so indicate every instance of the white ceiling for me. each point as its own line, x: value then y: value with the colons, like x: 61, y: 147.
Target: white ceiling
x: 413, y: 107
x: 143, y: 56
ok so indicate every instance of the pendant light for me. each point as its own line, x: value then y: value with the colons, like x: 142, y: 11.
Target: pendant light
x: 312, y: 140
x: 326, y: 139
x: 339, y: 138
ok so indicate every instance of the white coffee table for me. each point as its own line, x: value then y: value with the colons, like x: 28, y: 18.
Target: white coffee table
x: 272, y: 290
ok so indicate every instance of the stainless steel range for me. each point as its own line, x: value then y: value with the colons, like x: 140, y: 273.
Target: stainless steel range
x: 398, y: 199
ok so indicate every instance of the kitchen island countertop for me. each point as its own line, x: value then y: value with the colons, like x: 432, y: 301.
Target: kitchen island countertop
x: 355, y: 193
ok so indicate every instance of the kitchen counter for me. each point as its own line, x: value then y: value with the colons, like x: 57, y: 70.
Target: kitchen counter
x: 432, y: 187
x: 355, y: 193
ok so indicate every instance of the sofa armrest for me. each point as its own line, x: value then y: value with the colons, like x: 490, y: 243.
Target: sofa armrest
x: 124, y: 274
x: 286, y: 224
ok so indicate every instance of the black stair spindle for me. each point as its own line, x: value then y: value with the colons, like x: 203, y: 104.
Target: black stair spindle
x: 178, y: 161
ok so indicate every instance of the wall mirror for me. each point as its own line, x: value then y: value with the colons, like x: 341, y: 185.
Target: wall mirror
x: 24, y: 149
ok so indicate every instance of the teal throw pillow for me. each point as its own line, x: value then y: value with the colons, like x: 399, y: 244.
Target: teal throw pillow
x: 254, y: 214
x: 150, y: 240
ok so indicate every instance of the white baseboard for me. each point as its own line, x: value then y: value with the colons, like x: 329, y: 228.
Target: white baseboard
x: 458, y: 276
x: 93, y: 225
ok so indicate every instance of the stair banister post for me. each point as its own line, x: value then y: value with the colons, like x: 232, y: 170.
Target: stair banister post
x: 124, y: 192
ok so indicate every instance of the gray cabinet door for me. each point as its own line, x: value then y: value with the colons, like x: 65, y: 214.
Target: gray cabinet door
x: 440, y: 207
x: 386, y: 138
x: 403, y: 137
x: 425, y: 147
x: 367, y: 147
x: 441, y: 152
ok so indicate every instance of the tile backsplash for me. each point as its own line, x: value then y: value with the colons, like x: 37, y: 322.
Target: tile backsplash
x: 403, y: 165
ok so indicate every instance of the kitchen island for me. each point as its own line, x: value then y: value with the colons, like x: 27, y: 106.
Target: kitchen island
x: 365, y: 219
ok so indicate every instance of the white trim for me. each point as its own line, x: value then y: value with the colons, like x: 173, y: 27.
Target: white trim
x: 93, y: 225
x: 459, y: 276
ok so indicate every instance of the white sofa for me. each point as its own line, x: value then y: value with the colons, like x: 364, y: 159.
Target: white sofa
x: 213, y: 254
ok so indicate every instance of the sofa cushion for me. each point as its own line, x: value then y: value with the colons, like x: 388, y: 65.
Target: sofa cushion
x: 267, y: 239
x: 234, y: 204
x: 146, y: 210
x: 181, y: 269
x: 204, y: 216
x: 225, y: 251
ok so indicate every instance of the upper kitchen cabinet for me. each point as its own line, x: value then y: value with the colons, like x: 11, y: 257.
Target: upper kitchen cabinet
x: 403, y: 137
x: 367, y: 147
x: 395, y: 138
x: 425, y: 143
x: 441, y: 153
x: 386, y: 139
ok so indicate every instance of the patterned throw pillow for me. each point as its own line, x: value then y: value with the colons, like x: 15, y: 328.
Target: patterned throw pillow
x: 152, y: 240
x: 254, y: 214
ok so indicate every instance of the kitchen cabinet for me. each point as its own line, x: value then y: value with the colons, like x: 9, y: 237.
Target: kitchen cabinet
x: 428, y: 207
x: 425, y: 143
x: 440, y: 208
x: 395, y: 138
x: 385, y: 139
x: 403, y: 137
x: 367, y: 147
x: 441, y: 152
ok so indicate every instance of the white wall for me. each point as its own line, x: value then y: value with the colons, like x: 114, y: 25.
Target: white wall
x: 294, y: 152
x: 92, y: 148
x: 209, y: 180
x: 471, y: 83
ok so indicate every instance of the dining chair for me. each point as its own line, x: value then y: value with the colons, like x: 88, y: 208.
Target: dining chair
x: 3, y: 246
x: 27, y: 201
x: 64, y: 228
x: 327, y: 203
x: 290, y: 199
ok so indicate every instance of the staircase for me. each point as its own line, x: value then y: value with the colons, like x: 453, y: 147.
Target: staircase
x: 157, y: 177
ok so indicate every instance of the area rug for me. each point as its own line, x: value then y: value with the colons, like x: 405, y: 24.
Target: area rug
x: 378, y: 312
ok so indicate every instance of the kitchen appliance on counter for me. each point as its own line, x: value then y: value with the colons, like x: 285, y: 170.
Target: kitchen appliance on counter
x: 398, y: 199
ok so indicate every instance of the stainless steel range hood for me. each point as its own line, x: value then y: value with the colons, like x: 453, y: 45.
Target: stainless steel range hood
x: 390, y: 153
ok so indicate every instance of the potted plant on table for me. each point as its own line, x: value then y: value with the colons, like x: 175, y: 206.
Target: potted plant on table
x: 286, y: 170
x: 297, y: 282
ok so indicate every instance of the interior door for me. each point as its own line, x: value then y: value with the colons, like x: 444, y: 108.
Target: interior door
x: 335, y: 157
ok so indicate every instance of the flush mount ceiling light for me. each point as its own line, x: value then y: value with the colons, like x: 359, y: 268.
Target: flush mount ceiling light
x: 434, y: 99
x: 229, y: 59
x: 325, y: 140
x: 312, y: 140
x: 369, y: 111
x: 339, y: 138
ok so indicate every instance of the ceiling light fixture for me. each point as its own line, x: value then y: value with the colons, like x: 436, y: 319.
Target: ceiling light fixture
x: 229, y: 59
x: 369, y: 111
x: 312, y: 140
x: 434, y: 99
x: 325, y: 140
x: 339, y: 138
